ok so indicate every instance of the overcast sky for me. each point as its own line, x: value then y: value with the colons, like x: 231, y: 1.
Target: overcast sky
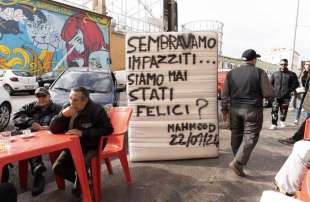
x: 257, y: 24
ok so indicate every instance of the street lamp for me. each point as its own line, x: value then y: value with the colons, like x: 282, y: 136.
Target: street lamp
x: 294, y: 41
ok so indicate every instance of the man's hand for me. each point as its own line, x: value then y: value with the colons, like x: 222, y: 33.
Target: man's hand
x: 225, y: 116
x: 74, y: 132
x: 68, y: 111
x: 37, y: 126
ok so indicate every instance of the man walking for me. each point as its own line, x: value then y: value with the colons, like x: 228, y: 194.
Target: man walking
x: 284, y: 82
x: 244, y: 89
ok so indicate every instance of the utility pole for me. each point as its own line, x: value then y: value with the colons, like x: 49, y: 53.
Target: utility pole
x: 294, y: 41
x: 99, y: 6
x: 170, y: 13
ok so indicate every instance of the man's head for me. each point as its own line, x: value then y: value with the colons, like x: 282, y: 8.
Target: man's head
x: 43, y: 97
x: 283, y: 64
x: 78, y: 98
x: 250, y: 56
x: 307, y: 65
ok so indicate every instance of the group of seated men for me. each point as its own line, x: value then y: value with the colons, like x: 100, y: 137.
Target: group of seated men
x: 81, y: 116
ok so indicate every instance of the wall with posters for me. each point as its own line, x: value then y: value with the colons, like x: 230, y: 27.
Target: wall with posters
x: 172, y: 88
x: 36, y: 34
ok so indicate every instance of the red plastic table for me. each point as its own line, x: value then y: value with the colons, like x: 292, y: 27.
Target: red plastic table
x: 45, y: 142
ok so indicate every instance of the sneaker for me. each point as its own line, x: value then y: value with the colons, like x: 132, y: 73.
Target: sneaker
x: 288, y: 141
x: 38, y: 185
x: 296, y: 122
x: 282, y: 124
x: 238, y: 170
x: 273, y: 127
x: 278, y: 189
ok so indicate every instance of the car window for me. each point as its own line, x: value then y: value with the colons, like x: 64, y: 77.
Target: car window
x: 22, y: 73
x: 93, y: 81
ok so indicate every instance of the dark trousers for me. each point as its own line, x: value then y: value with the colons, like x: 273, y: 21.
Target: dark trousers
x: 35, y: 161
x: 8, y: 192
x: 64, y: 165
x: 245, y: 126
x: 282, y: 104
x: 5, y: 174
x: 299, y: 134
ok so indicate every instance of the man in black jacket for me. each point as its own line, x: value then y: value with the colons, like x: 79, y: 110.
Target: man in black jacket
x: 284, y: 83
x: 242, y: 99
x: 80, y: 117
x: 37, y: 116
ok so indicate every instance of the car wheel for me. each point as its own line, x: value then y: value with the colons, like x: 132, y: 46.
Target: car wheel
x: 5, y: 114
x: 9, y: 89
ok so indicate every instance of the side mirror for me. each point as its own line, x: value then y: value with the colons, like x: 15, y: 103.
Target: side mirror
x: 47, y: 85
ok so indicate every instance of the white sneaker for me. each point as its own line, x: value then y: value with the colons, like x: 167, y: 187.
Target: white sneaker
x: 273, y: 127
x: 282, y: 124
x: 296, y: 122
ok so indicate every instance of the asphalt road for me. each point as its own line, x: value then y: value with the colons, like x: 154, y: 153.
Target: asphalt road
x: 183, y: 180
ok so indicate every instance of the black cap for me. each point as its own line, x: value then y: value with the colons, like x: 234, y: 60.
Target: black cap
x: 41, y: 91
x: 249, y: 54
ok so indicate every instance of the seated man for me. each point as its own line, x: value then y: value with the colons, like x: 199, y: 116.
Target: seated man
x: 80, y: 117
x: 37, y: 116
x: 289, y: 178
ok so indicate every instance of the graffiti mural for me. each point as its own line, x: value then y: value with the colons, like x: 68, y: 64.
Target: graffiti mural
x: 41, y: 37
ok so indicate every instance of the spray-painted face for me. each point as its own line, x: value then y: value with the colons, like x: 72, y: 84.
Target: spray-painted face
x: 77, y: 42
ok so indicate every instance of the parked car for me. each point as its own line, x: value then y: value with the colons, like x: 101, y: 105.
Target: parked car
x: 17, y: 80
x: 121, y: 79
x: 100, y: 84
x: 5, y: 108
x: 48, y: 78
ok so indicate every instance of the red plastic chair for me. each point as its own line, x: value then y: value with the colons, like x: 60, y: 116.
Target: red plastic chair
x: 304, y: 193
x: 307, y: 130
x: 120, y: 117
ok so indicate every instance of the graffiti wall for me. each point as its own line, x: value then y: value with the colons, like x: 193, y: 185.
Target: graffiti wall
x: 41, y: 36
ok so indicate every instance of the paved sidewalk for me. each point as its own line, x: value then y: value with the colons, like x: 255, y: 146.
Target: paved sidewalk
x: 190, y: 180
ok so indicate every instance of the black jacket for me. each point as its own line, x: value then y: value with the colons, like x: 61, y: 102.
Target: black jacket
x: 32, y: 112
x: 245, y: 86
x: 93, y: 121
x: 305, y: 80
x: 284, y: 83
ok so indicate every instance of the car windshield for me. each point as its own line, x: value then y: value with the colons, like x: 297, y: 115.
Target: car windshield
x: 49, y: 75
x: 22, y: 73
x: 95, y: 82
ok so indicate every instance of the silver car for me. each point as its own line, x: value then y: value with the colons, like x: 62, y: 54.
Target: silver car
x: 99, y: 83
x: 5, y: 108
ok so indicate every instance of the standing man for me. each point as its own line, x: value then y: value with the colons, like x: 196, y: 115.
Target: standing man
x: 305, y: 79
x: 284, y: 83
x: 37, y: 116
x: 244, y: 89
x: 86, y: 119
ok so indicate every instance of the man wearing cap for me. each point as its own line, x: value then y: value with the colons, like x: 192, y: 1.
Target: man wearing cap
x: 284, y: 83
x: 37, y: 116
x: 244, y: 90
